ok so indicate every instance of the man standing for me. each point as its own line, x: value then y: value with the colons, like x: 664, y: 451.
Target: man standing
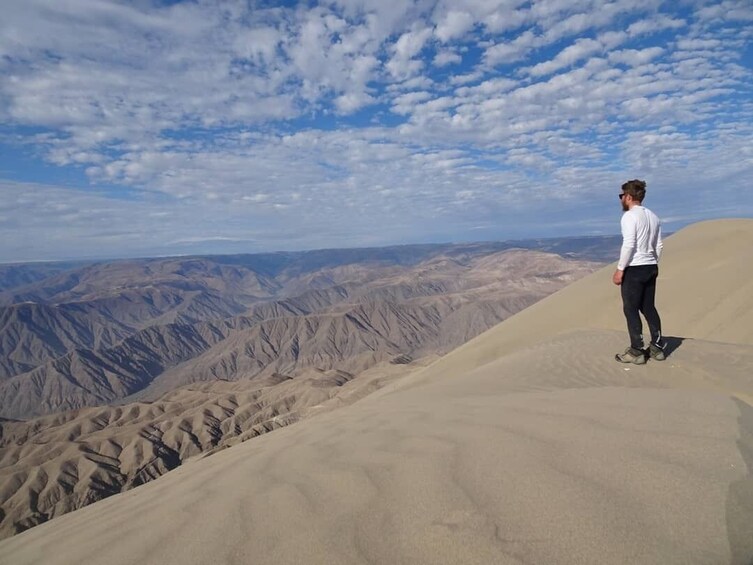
x: 636, y: 273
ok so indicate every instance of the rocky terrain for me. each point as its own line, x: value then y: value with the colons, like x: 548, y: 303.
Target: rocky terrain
x: 103, y: 332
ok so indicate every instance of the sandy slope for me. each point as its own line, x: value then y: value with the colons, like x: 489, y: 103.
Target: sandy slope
x: 526, y: 445
x: 705, y: 291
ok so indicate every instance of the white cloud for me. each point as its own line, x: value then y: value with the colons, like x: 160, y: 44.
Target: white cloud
x: 505, y: 18
x: 444, y: 58
x: 405, y: 103
x: 259, y: 45
x: 466, y: 78
x: 654, y: 24
x: 579, y: 50
x: 403, y: 65
x: 635, y: 57
x: 696, y: 44
x: 454, y: 25
x: 352, y: 101
x: 529, y: 159
x: 487, y: 91
x: 411, y: 43
x: 512, y: 51
x: 728, y: 10
x: 595, y: 16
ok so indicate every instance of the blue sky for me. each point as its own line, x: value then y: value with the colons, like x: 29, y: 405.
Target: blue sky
x: 156, y: 128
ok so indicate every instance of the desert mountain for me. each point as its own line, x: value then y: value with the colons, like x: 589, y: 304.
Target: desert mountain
x: 141, y: 333
x: 50, y: 309
x: 32, y: 334
x: 22, y: 274
x: 527, y: 444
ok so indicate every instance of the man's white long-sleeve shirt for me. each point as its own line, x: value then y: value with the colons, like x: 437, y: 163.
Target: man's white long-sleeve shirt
x: 641, y: 238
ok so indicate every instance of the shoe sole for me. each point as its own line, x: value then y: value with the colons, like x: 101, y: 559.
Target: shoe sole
x: 631, y: 362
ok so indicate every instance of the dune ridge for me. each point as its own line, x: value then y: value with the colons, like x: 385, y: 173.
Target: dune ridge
x: 526, y: 445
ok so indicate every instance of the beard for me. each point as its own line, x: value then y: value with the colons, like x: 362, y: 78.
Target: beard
x: 624, y: 206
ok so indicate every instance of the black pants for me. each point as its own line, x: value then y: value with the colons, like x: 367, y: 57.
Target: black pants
x: 638, y: 293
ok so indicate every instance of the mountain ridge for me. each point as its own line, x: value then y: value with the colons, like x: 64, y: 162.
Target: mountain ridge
x: 429, y: 294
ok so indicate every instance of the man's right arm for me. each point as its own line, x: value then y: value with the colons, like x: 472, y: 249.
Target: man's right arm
x: 628, y: 241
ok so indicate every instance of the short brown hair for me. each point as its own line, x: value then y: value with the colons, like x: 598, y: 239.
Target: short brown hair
x: 635, y: 188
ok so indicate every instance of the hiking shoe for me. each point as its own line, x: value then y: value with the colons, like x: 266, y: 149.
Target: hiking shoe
x: 656, y: 353
x: 635, y: 356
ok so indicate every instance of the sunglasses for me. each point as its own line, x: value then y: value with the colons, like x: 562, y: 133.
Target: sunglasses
x: 621, y: 195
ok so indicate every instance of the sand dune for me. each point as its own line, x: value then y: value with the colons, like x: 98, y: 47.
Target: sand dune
x: 526, y: 445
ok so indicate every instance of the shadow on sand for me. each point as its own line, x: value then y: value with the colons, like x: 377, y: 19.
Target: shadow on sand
x: 673, y: 343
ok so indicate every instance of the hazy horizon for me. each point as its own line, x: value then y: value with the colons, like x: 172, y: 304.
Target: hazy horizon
x: 311, y: 250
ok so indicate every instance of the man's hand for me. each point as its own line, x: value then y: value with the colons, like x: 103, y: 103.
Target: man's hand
x: 617, y: 277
